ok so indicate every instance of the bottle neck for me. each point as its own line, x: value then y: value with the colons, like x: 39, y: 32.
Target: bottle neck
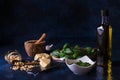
x: 105, y: 20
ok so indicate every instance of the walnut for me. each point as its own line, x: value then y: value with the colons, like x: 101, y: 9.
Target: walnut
x: 15, y: 67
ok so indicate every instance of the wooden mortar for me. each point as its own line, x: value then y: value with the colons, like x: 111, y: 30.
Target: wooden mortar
x: 35, y: 46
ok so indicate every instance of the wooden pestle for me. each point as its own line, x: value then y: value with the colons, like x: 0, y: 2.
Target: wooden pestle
x: 42, y: 38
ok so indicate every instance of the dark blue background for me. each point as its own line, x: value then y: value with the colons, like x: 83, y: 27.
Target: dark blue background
x: 72, y: 21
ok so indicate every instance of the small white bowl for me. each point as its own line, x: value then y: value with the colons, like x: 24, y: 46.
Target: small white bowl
x: 77, y: 69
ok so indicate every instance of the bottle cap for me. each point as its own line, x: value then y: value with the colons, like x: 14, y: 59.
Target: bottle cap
x: 104, y: 12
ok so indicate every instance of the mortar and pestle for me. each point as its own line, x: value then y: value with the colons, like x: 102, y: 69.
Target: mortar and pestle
x: 35, y: 46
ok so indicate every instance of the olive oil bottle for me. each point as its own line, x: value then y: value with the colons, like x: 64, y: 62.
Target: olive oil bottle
x: 104, y: 45
x: 103, y: 39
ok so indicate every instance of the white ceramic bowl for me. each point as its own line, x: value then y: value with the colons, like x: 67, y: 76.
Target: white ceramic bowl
x: 77, y: 69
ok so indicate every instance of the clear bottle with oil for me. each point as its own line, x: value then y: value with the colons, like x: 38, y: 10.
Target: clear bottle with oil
x: 104, y: 44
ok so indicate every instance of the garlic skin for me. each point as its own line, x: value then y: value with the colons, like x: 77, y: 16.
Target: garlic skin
x: 48, y: 47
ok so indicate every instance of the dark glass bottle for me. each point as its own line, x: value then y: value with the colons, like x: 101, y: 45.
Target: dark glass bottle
x: 102, y: 39
x: 104, y: 48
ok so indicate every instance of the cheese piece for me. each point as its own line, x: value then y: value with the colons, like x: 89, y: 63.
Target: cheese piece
x: 47, y: 56
x: 37, y: 56
x: 41, y: 56
x: 45, y: 62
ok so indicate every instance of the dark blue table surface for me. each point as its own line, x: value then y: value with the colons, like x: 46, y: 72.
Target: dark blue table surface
x: 61, y: 72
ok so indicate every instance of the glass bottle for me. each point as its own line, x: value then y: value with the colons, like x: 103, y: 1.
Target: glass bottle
x: 102, y: 39
x: 104, y: 47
